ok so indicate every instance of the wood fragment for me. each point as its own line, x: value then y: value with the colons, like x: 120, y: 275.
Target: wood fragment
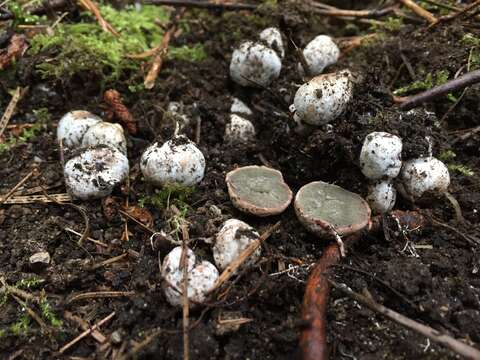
x: 453, y: 344
x: 12, y: 105
x: 417, y: 9
x: 157, y: 63
x: 4, y: 198
x: 456, y: 14
x: 30, y: 312
x: 203, y: 4
x: 96, y: 334
x: 100, y: 294
x: 17, y: 47
x: 244, y: 256
x: 31, y: 199
x: 410, y: 102
x: 109, y: 261
x: 90, y: 6
x: 86, y: 333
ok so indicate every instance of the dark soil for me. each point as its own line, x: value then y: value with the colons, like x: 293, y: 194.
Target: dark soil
x: 438, y: 284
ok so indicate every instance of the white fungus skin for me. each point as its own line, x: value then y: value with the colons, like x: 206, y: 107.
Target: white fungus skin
x: 324, y: 98
x: 202, y: 277
x: 381, y: 156
x: 104, y: 133
x: 240, y: 108
x: 95, y: 172
x: 423, y: 175
x: 239, y: 130
x: 233, y: 237
x: 381, y: 196
x: 177, y: 161
x: 320, y: 53
x: 254, y: 64
x: 273, y: 38
x: 73, y: 126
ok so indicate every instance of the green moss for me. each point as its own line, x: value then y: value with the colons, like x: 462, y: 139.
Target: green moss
x: 21, y: 17
x: 170, y: 194
x: 193, y: 53
x: 21, y: 326
x: 447, y: 156
x: 48, y: 313
x: 3, y: 332
x: 430, y: 80
x: 473, y: 42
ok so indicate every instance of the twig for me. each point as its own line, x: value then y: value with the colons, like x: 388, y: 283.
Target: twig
x: 17, y: 95
x: 244, y: 255
x: 19, y: 292
x: 143, y: 226
x: 100, y: 294
x: 461, y: 82
x: 16, y: 187
x: 185, y: 304
x: 456, y: 207
x: 203, y: 4
x: 97, y: 335
x: 453, y: 344
x: 31, y: 199
x: 417, y: 9
x: 30, y: 312
x: 90, y: 6
x: 157, y: 63
x: 87, y: 238
x: 109, y: 261
x: 456, y: 14
x: 336, y: 12
x: 86, y: 333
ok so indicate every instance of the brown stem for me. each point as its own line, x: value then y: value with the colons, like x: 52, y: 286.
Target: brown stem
x: 204, y: 5
x: 313, y: 339
x: 461, y: 82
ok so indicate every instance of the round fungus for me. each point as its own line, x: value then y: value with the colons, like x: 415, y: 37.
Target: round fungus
x: 202, y: 276
x: 94, y: 172
x: 382, y: 196
x: 176, y: 161
x: 258, y: 190
x: 320, y: 53
x: 73, y: 126
x: 254, y: 64
x: 239, y: 130
x: 326, y: 209
x: 104, y: 133
x: 273, y: 38
x: 323, y: 98
x: 233, y: 237
x: 423, y: 175
x: 380, y: 156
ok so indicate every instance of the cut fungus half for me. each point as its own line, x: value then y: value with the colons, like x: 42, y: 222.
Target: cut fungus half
x: 326, y: 209
x: 258, y: 190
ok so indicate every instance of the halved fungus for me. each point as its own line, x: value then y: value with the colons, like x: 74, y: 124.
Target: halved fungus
x: 258, y: 190
x: 329, y: 210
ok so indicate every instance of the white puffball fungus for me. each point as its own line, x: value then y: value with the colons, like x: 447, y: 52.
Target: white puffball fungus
x: 73, y: 126
x: 239, y: 107
x: 323, y: 98
x: 381, y: 155
x: 95, y: 172
x: 254, y: 64
x: 105, y: 133
x: 176, y: 161
x: 381, y: 196
x: 234, y: 237
x: 239, y: 130
x: 202, y: 277
x: 424, y: 175
x: 320, y: 53
x: 273, y: 38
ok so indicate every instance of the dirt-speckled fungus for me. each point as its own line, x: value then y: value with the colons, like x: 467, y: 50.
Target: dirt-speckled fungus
x: 326, y: 209
x: 258, y: 190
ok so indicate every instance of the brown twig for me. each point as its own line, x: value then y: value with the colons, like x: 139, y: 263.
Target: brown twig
x: 409, y: 102
x: 96, y: 242
x: 417, y: 9
x: 100, y: 294
x: 90, y: 6
x: 313, y: 340
x: 456, y: 14
x: 97, y: 335
x: 157, y: 62
x: 453, y: 344
x: 12, y: 105
x: 329, y: 10
x: 86, y: 333
x: 109, y: 261
x: 4, y: 198
x: 203, y: 4
x: 31, y: 199
x: 30, y: 312
x: 244, y: 255
x: 114, y: 100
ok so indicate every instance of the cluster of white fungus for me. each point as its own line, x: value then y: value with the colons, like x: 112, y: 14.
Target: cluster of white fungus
x: 320, y: 53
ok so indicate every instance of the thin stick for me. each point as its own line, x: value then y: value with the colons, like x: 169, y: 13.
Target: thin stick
x: 110, y: 261
x: 90, y: 6
x: 336, y: 12
x: 157, y: 63
x: 244, y: 255
x: 461, y: 82
x: 86, y: 333
x: 100, y: 294
x: 87, y: 238
x: 12, y: 105
x: 19, y: 292
x: 16, y: 187
x: 454, y: 15
x: 31, y: 199
x: 417, y: 9
x: 203, y: 4
x: 453, y: 344
x: 97, y: 335
x: 137, y: 222
x: 185, y: 304
x: 30, y: 312
x: 456, y: 207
